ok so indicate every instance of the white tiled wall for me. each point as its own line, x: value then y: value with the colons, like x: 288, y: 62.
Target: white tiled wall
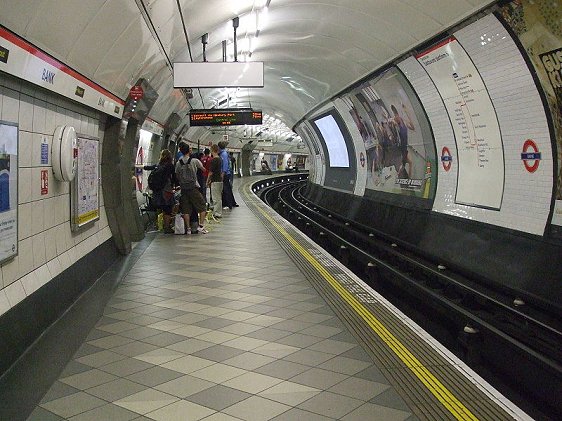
x: 46, y: 244
x: 527, y: 196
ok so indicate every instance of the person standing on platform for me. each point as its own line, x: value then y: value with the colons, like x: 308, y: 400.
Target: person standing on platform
x: 227, y: 195
x: 215, y: 181
x: 232, y: 161
x: 206, y: 161
x: 191, y: 198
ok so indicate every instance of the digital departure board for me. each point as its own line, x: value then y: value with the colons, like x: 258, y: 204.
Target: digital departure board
x: 224, y: 117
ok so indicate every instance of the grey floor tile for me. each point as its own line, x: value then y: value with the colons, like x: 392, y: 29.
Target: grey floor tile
x: 40, y: 414
x: 184, y: 386
x: 345, y: 365
x: 167, y: 313
x: 180, y: 411
x: 106, y: 412
x: 321, y: 331
x: 126, y: 367
x: 189, y: 346
x: 135, y: 348
x: 256, y: 408
x: 299, y: 340
x: 100, y: 358
x: 96, y: 334
x: 371, y: 411
x: 214, y: 323
x: 331, y: 405
x: 268, y: 334
x: 110, y: 341
x: 74, y: 367
x: 146, y: 401
x: 115, y: 390
x: 218, y: 353
x: 58, y: 390
x: 359, y: 388
x: 331, y: 346
x: 164, y: 339
x: 282, y: 369
x: 357, y: 353
x: 88, y: 379
x: 249, y: 361
x: 318, y: 378
x: 298, y: 414
x: 218, y: 397
x: 140, y: 332
x: 71, y: 405
x: 309, y: 357
x: 374, y: 374
x: 85, y: 350
x: 390, y: 399
x: 154, y: 376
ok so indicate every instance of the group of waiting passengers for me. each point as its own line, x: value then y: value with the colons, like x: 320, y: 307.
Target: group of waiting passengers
x: 192, y: 174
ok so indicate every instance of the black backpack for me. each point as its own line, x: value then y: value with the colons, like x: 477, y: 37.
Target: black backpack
x: 157, y: 178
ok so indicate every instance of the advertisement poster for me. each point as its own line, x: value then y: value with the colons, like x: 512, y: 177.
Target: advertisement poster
x: 474, y: 121
x: 86, y: 183
x: 400, y: 148
x: 537, y: 26
x: 8, y: 191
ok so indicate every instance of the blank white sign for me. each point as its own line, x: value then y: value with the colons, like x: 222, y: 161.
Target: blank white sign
x: 218, y: 75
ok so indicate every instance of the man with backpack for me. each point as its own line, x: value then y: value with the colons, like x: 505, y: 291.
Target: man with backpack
x: 161, y: 181
x: 191, y: 198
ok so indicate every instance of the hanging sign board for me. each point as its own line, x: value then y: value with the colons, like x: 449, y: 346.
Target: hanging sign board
x: 218, y: 75
x: 136, y: 93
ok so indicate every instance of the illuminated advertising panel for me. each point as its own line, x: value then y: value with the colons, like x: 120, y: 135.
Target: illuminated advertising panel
x: 400, y: 148
x: 337, y: 158
x: 335, y: 143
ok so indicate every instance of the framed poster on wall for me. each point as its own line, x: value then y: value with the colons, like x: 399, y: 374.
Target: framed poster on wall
x: 85, y: 187
x: 8, y: 190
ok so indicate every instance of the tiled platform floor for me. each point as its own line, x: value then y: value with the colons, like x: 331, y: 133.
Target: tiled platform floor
x: 220, y: 326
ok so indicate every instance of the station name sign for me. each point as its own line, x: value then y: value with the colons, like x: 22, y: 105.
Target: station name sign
x: 224, y: 117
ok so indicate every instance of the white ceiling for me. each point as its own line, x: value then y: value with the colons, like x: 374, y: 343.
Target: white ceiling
x: 311, y: 49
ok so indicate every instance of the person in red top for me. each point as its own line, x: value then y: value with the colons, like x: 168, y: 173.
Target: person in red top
x: 206, y: 159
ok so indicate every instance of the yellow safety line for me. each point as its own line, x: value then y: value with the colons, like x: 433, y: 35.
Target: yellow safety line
x: 449, y: 401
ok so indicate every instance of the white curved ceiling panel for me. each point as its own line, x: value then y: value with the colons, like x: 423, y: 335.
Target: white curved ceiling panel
x: 134, y: 38
x: 311, y: 49
x: 41, y: 22
x: 99, y: 36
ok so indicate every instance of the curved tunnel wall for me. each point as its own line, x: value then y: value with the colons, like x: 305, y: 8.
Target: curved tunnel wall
x: 468, y: 163
x: 480, y: 203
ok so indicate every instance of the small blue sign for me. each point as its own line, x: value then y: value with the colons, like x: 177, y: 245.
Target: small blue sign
x: 44, y: 153
x: 531, y: 155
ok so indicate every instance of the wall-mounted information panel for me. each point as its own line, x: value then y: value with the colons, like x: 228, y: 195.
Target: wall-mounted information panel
x: 8, y: 190
x: 473, y: 117
x: 225, y: 117
x: 85, y: 187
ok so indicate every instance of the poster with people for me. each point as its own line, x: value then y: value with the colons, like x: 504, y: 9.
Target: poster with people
x: 537, y: 26
x: 400, y: 148
x: 8, y: 190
